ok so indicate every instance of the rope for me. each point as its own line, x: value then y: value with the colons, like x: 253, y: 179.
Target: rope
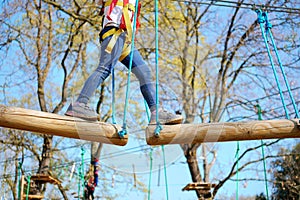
x: 268, y: 31
x: 165, y: 172
x: 261, y: 21
x: 81, y: 174
x: 79, y: 181
x: 113, y: 97
x: 20, y: 174
x: 263, y: 152
x: 150, y: 175
x: 82, y: 169
x: 158, y: 126
x: 28, y: 186
x: 147, y: 110
x: 123, y: 132
x: 235, y: 4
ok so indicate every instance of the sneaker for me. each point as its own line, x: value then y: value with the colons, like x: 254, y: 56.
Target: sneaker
x: 165, y: 117
x: 82, y: 111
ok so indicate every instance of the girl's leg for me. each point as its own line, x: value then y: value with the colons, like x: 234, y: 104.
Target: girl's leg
x: 107, y: 61
x: 143, y: 73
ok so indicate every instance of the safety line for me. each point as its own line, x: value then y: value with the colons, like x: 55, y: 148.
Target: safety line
x: 123, y: 132
x: 113, y: 97
x: 150, y: 175
x: 165, y: 172
x: 158, y: 126
x: 261, y: 20
x: 269, y: 32
x: 245, y: 6
x: 259, y: 112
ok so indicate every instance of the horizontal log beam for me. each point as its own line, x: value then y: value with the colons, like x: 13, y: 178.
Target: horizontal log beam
x: 221, y: 132
x: 58, y: 125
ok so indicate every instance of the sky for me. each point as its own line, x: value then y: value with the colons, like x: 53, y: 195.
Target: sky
x: 176, y: 168
x: 178, y: 174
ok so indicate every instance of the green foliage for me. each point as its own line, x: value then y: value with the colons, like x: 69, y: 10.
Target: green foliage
x: 53, y: 42
x: 261, y: 196
x: 286, y: 174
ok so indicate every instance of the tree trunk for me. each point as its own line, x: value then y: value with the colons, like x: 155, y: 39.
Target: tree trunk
x: 191, y: 158
x: 45, y: 161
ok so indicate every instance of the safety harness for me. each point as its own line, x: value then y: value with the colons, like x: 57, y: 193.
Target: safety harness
x: 125, y: 25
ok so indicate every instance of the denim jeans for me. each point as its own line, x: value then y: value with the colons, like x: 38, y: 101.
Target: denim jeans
x: 106, y: 64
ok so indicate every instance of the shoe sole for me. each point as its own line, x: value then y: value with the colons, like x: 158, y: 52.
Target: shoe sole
x: 169, y: 122
x: 73, y: 114
x: 174, y: 121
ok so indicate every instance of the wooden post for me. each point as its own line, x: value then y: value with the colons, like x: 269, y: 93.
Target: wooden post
x: 54, y: 124
x: 220, y: 132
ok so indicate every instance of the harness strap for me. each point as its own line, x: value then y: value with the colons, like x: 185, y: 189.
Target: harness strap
x: 113, y: 40
x: 118, y: 3
x: 112, y: 4
x: 125, y: 25
x: 108, y: 33
x: 115, y: 33
x: 125, y: 52
x: 126, y: 20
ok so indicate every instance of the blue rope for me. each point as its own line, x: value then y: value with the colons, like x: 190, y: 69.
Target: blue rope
x: 165, y: 172
x: 79, y: 181
x: 19, y: 179
x: 268, y: 31
x: 147, y: 111
x: 82, y: 169
x: 28, y: 186
x: 113, y: 97
x: 123, y: 132
x: 158, y: 126
x: 261, y: 20
x: 259, y: 112
x: 150, y: 175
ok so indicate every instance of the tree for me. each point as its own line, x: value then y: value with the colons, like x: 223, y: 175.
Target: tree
x: 216, y: 65
x: 286, y: 173
x: 215, y: 71
x: 260, y: 197
x: 51, y: 40
x: 34, y: 30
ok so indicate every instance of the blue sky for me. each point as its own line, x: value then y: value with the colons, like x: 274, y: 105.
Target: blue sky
x: 177, y: 170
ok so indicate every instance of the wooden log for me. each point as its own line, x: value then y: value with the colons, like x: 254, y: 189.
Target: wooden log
x: 221, y: 132
x: 54, y: 124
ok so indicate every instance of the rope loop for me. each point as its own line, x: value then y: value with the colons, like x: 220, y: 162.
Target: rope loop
x: 260, y: 18
x: 123, y: 132
x: 157, y: 129
x: 263, y: 18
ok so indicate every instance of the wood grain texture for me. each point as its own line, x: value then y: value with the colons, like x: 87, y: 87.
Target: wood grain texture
x: 58, y: 125
x: 221, y: 132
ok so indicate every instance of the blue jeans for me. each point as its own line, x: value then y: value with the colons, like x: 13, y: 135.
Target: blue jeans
x: 106, y: 64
